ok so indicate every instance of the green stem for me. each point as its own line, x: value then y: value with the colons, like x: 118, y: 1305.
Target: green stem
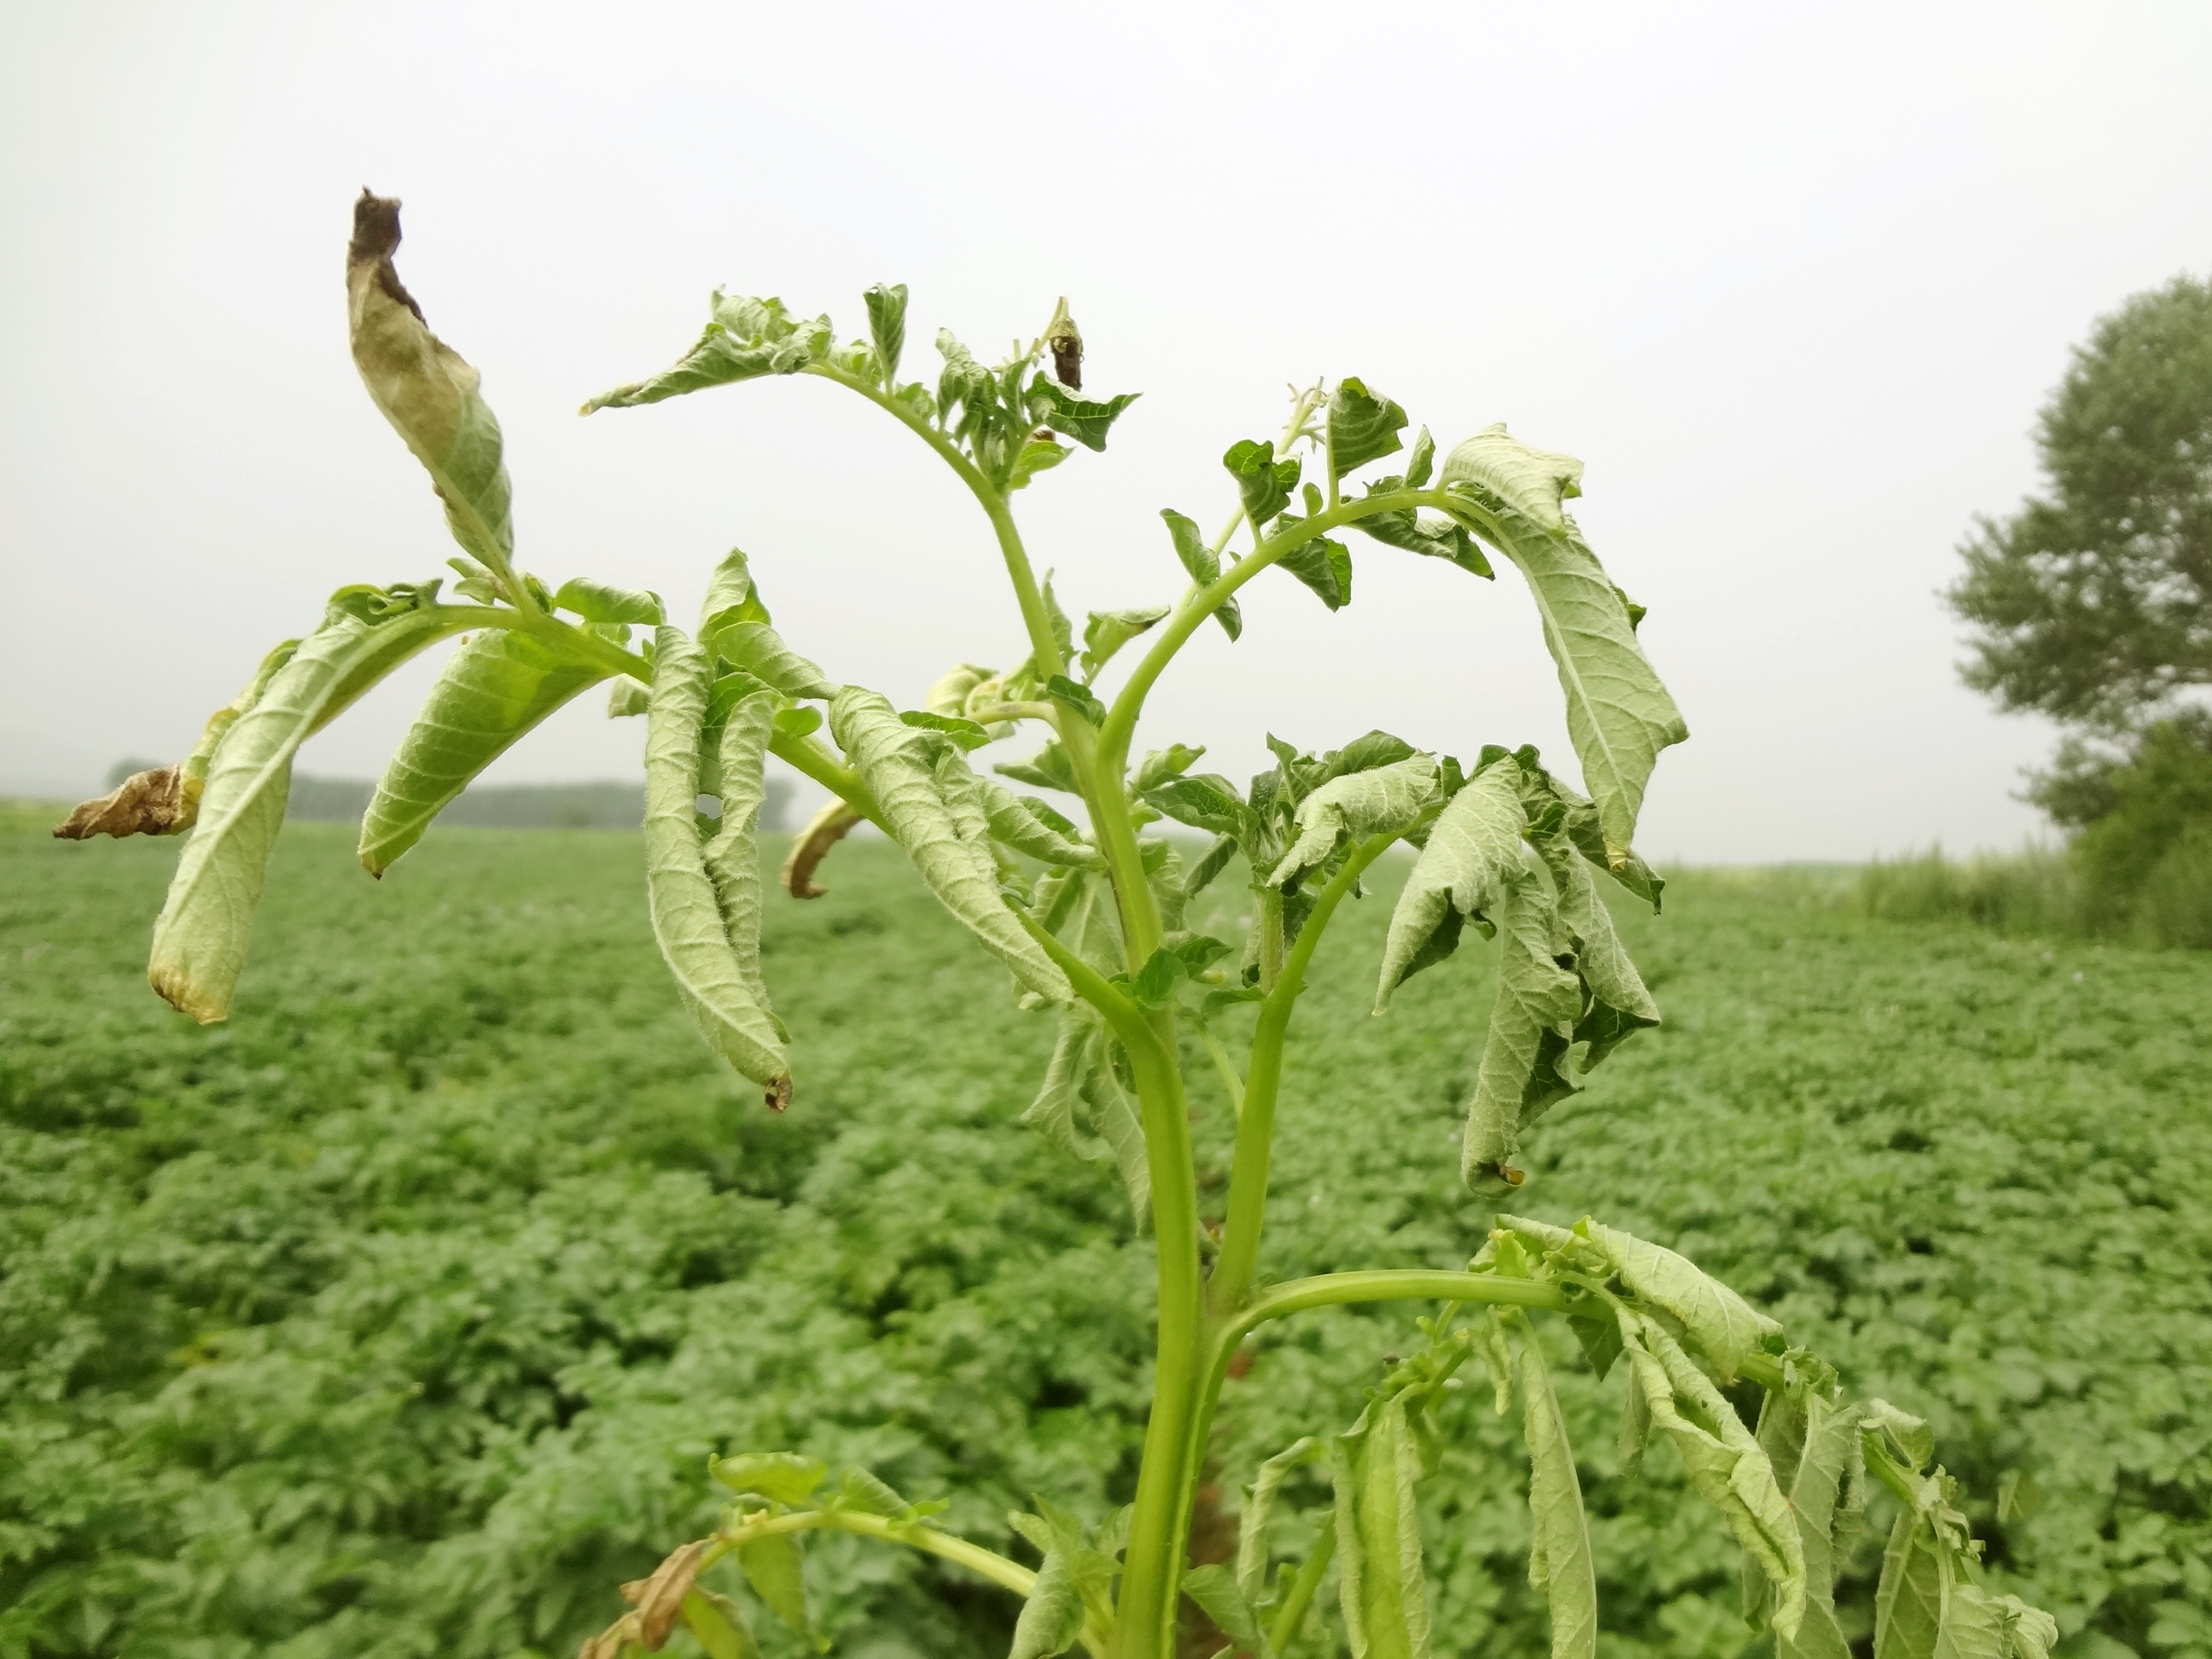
x: 810, y: 756
x: 1255, y: 1126
x: 1121, y: 719
x: 994, y: 503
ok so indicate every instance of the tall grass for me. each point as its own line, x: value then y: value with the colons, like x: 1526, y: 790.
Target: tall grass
x: 2043, y: 890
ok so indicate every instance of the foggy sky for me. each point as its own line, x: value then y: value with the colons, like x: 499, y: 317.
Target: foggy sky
x: 1791, y: 281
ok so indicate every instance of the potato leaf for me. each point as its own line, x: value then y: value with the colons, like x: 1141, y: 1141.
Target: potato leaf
x: 886, y: 303
x: 1259, y: 1508
x: 1725, y: 1327
x: 206, y: 922
x: 1727, y: 1467
x: 1216, y: 1591
x: 1385, y: 800
x: 1205, y: 567
x: 1031, y: 827
x: 747, y: 339
x: 771, y: 1566
x: 732, y: 854
x: 949, y: 694
x: 1619, y: 714
x: 760, y: 650
x: 732, y: 598
x: 1263, y: 483
x: 1474, y: 848
x: 1531, y: 1025
x: 497, y: 687
x: 423, y: 387
x: 1381, y: 1583
x: 599, y: 602
x: 1324, y: 566
x: 687, y: 917
x: 1559, y: 1560
x: 1052, y: 1618
x: 934, y: 808
x: 1087, y: 420
x: 1106, y: 632
x: 1361, y: 427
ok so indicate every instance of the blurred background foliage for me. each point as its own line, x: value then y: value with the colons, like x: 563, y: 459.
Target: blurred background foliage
x: 399, y: 1315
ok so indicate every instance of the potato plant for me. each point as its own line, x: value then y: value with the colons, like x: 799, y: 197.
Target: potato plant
x: 1089, y: 909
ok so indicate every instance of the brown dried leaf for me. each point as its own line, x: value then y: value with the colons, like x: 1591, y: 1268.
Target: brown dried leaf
x: 828, y: 827
x: 155, y: 803
x: 660, y: 1599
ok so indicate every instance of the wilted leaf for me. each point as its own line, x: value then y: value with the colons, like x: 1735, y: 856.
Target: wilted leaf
x: 832, y: 823
x: 933, y: 807
x: 1084, y: 419
x: 886, y: 303
x: 599, y: 602
x: 1619, y: 714
x: 687, y: 918
x: 1378, y: 1542
x: 1473, y: 848
x: 732, y: 852
x: 1324, y: 566
x: 492, y: 691
x: 660, y: 1600
x: 1560, y: 1561
x: 424, y: 388
x: 1205, y: 567
x: 771, y: 1567
x: 1263, y: 483
x: 1106, y: 631
x: 143, y: 804
x: 1726, y: 1328
x: 1259, y: 1508
x: 1216, y: 1591
x: 1531, y: 1025
x: 1385, y: 800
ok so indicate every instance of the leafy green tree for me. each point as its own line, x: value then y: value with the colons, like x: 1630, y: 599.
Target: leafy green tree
x: 2093, y: 603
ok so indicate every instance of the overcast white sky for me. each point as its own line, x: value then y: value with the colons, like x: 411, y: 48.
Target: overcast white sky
x: 1792, y: 282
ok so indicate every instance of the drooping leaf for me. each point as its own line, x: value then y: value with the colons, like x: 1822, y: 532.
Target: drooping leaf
x: 1087, y: 420
x: 1218, y: 1594
x: 1263, y: 483
x: 760, y: 650
x: 1027, y: 826
x: 1324, y: 566
x: 1210, y: 863
x: 1036, y: 455
x: 687, y: 917
x: 1422, y: 461
x: 627, y: 697
x: 1383, y: 1588
x: 1474, y: 848
x: 732, y: 852
x: 201, y: 936
x: 1052, y: 1618
x: 1410, y: 532
x: 1259, y: 1508
x: 832, y: 822
x: 1726, y: 1328
x: 1619, y: 714
x: 1531, y: 1025
x: 934, y: 808
x: 423, y: 387
x: 770, y: 1563
x: 1204, y: 566
x: 718, y: 1625
x: 492, y: 691
x: 1048, y: 769
x: 599, y: 602
x: 1364, y: 754
x: 1726, y: 1464
x: 1106, y: 632
x: 1620, y: 1004
x: 1829, y: 1457
x: 1357, y: 806
x: 732, y: 598
x: 1560, y: 1561
x: 1362, y: 428
x: 886, y: 303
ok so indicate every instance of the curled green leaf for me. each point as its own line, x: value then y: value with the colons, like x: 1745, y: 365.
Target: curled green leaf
x: 1361, y: 427
x: 1384, y: 800
x: 1473, y: 848
x: 934, y: 808
x: 492, y: 691
x: 687, y: 917
x: 1560, y: 1565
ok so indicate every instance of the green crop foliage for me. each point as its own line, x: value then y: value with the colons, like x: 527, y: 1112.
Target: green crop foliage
x: 1093, y: 918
